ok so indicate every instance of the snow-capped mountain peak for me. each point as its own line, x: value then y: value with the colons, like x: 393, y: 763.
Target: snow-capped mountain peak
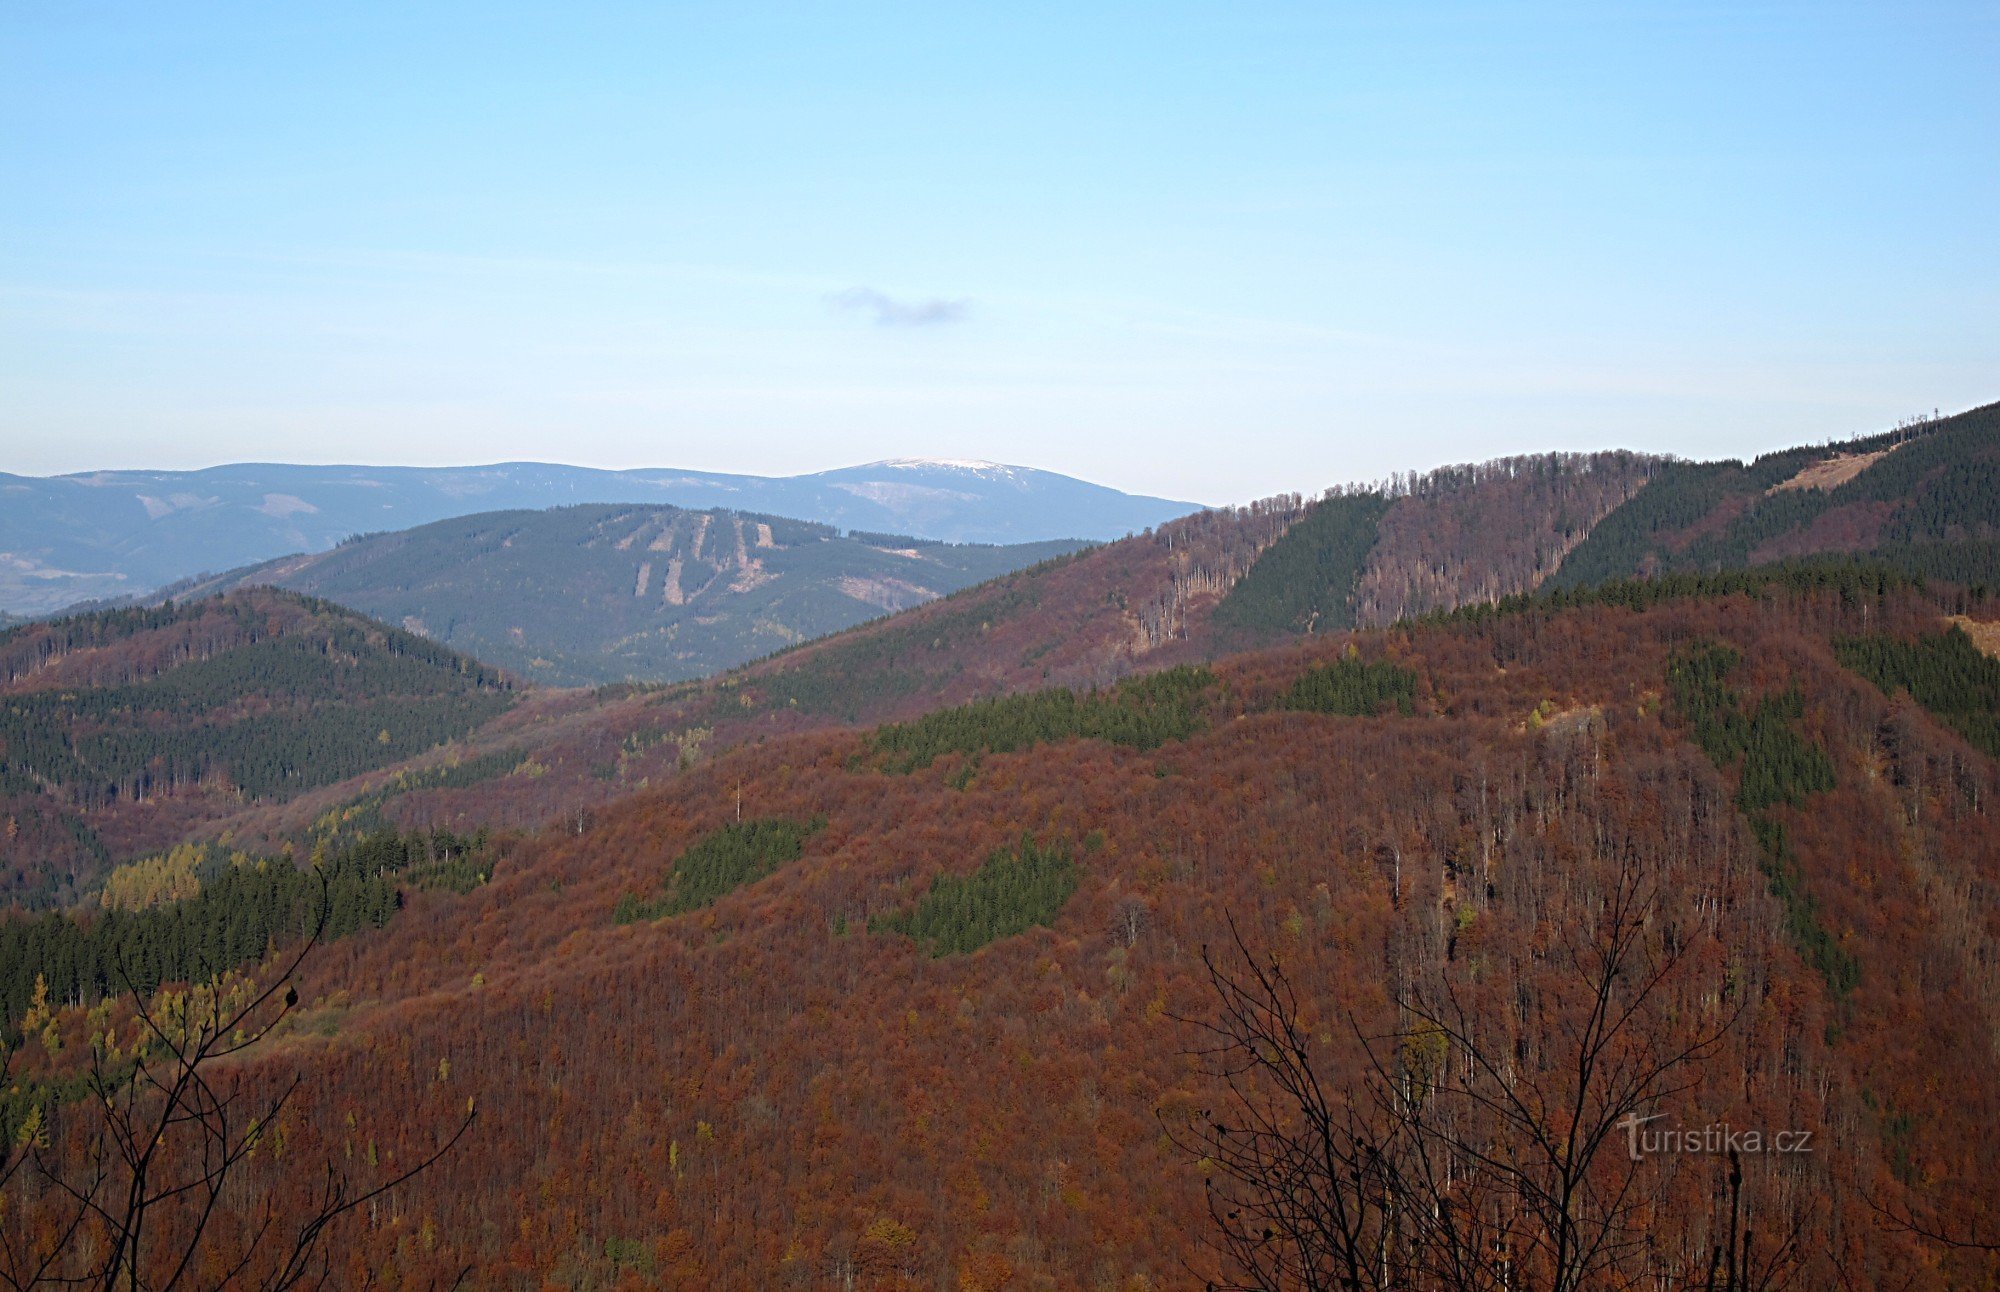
x: 970, y: 466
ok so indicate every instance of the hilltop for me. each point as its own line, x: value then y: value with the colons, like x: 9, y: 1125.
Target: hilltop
x: 586, y: 595
x: 124, y: 731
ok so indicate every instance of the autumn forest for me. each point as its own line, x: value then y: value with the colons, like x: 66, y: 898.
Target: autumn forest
x: 1341, y: 893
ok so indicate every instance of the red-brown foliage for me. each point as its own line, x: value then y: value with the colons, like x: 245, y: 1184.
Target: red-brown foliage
x: 763, y: 1094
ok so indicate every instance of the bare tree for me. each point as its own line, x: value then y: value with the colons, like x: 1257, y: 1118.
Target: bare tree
x: 1130, y: 918
x: 136, y: 1205
x: 1459, y: 1151
x: 1305, y: 1180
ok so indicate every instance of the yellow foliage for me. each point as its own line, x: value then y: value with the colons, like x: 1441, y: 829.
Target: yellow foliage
x: 187, y: 1015
x: 33, y: 1129
x: 892, y: 1234
x: 38, y: 1007
x: 1424, y: 1051
x: 169, y: 877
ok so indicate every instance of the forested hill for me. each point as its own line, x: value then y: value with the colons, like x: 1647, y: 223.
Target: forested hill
x: 920, y: 1005
x: 913, y: 917
x: 121, y: 731
x: 1924, y: 497
x: 1189, y: 591
x: 593, y: 594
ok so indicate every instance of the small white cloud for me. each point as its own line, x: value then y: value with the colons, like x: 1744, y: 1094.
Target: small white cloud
x: 890, y: 312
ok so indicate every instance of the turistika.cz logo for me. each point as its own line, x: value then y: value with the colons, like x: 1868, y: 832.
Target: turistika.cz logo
x: 1716, y: 1137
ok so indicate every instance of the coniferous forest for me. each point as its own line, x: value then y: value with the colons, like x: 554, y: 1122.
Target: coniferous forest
x: 121, y: 727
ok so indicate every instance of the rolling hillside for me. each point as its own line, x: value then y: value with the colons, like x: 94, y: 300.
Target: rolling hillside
x: 124, y: 731
x: 920, y: 1005
x: 593, y: 594
x: 1191, y: 590
x: 104, y: 535
x: 884, y: 961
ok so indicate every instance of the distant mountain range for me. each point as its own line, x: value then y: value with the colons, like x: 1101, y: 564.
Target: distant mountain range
x: 110, y: 534
x: 608, y: 593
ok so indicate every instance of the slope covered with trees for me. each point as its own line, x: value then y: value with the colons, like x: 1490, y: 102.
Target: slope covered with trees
x: 1306, y: 581
x: 122, y: 731
x: 1922, y: 498
x: 1945, y: 672
x: 1925, y: 497
x: 1495, y: 529
x: 951, y: 1036
x: 232, y: 911
x: 593, y: 594
x: 1185, y: 593
x: 1416, y: 543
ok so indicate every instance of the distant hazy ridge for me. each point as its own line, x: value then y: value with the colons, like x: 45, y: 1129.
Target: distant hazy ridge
x: 110, y: 534
x: 590, y: 594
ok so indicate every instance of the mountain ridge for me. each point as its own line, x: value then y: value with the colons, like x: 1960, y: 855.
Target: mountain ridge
x: 103, y: 535
x: 1186, y: 593
x: 596, y: 593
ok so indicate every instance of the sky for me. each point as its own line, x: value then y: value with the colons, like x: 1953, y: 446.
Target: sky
x: 1207, y: 251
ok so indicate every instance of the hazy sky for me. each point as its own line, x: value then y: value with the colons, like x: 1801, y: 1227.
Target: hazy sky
x: 1208, y: 251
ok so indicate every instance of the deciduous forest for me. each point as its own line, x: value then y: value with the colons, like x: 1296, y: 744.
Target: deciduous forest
x: 932, y: 1007
x: 1123, y: 922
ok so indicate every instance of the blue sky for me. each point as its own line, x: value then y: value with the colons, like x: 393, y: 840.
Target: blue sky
x: 1208, y: 251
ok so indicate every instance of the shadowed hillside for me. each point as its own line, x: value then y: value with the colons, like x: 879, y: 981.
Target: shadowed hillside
x: 587, y: 595
x: 125, y: 730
